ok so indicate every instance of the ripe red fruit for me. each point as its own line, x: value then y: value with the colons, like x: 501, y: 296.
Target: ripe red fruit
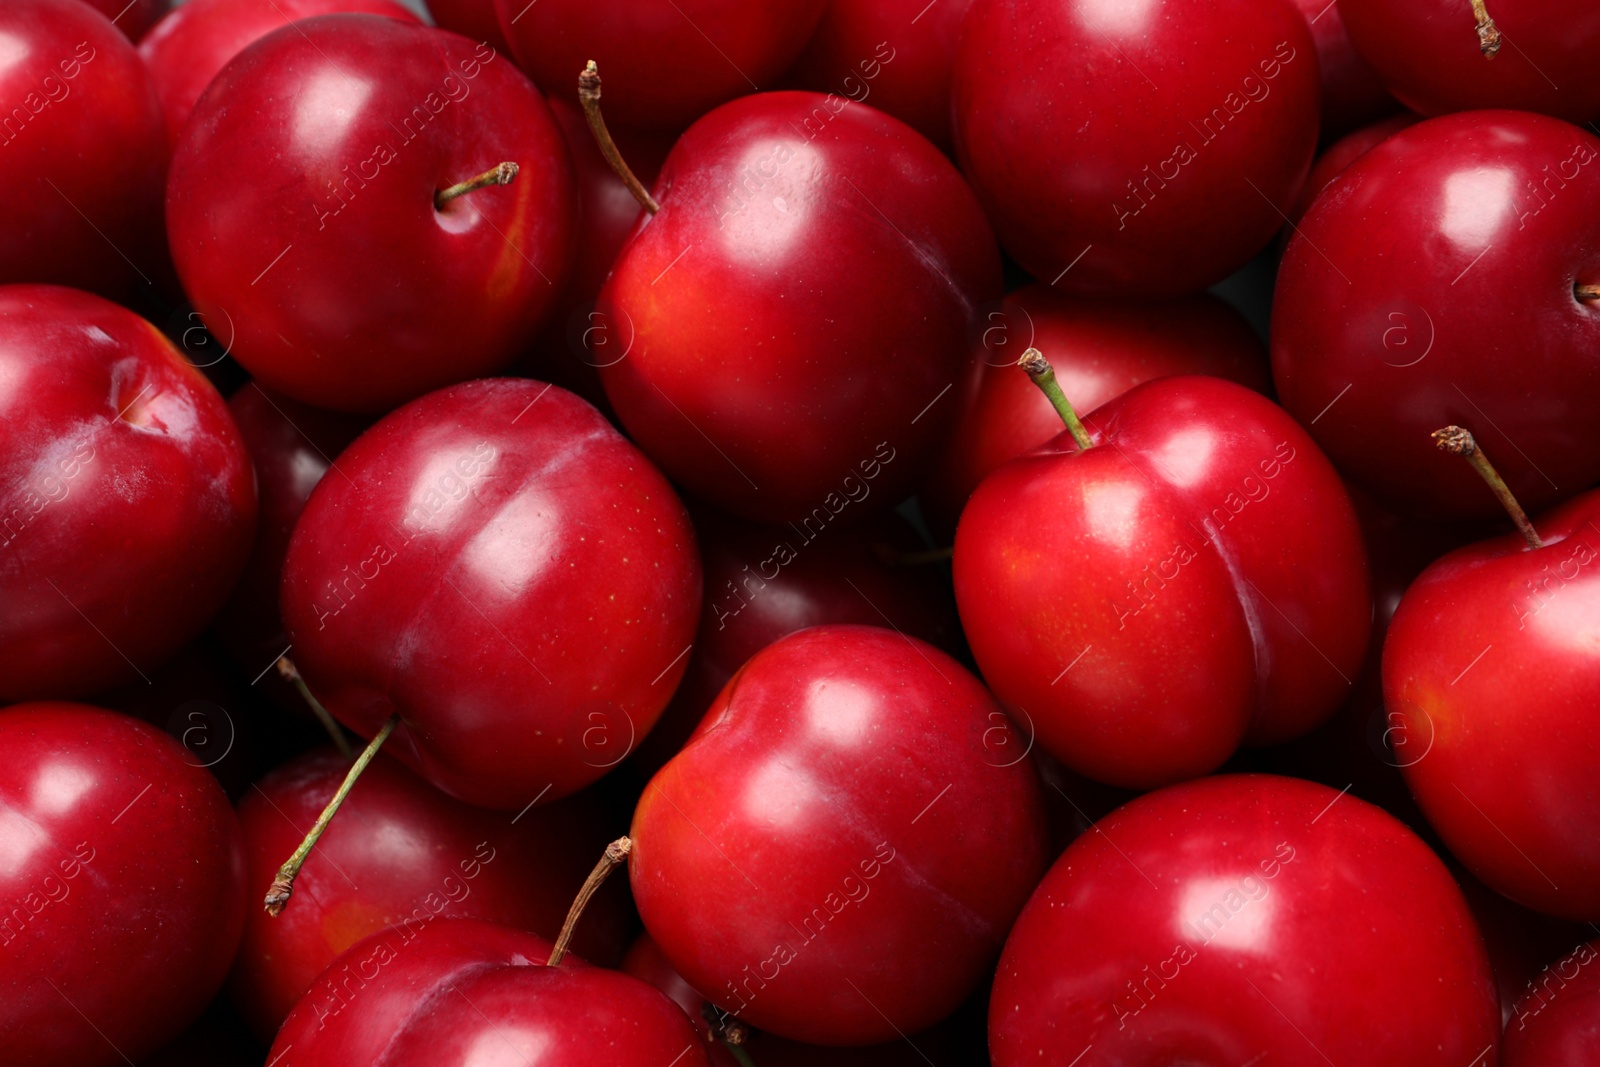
x: 1337, y: 157
x: 1454, y: 246
x: 1240, y: 916
x: 1558, y: 1021
x: 895, y: 54
x: 81, y: 151
x: 1432, y: 57
x: 666, y: 62
x: 189, y: 47
x: 840, y: 848
x: 400, y: 852
x: 462, y: 993
x: 1193, y: 162
x: 1362, y: 746
x: 122, y: 885
x: 128, y: 502
x: 325, y: 251
x: 502, y: 570
x: 858, y: 255
x: 1083, y: 576
x: 766, y: 582
x: 1100, y: 349
x: 1491, y: 661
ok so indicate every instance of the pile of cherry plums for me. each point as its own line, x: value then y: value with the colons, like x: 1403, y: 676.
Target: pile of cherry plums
x: 661, y: 533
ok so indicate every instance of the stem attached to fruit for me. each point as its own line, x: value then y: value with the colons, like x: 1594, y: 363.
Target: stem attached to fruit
x: 729, y: 1031
x: 1587, y: 294
x: 283, y: 884
x: 500, y: 175
x: 1488, y: 33
x: 589, y: 97
x: 1044, y: 376
x: 615, y: 855
x: 290, y: 672
x: 1460, y: 442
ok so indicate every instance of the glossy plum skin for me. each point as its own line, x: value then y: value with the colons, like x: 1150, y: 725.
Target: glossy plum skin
x: 462, y: 992
x: 291, y: 446
x: 1362, y: 746
x: 401, y: 851
x: 766, y: 582
x: 127, y: 502
x: 1492, y: 657
x: 123, y: 882
x: 476, y: 19
x: 189, y: 47
x: 1558, y: 1022
x: 859, y: 256
x: 800, y: 862
x: 1100, y: 349
x: 894, y: 54
x: 1415, y: 280
x: 1240, y: 916
x: 340, y: 282
x: 81, y: 116
x: 665, y: 62
x: 1082, y: 577
x: 1337, y: 157
x: 1352, y: 93
x: 1111, y: 162
x: 507, y: 574
x: 1428, y: 53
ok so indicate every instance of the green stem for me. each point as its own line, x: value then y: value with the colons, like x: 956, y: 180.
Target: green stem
x: 500, y: 175
x: 283, y: 884
x: 1460, y: 442
x: 288, y: 670
x: 1044, y: 376
x: 614, y: 856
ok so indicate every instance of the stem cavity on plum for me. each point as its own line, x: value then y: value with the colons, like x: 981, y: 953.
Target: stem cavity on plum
x: 499, y: 175
x: 589, y: 97
x: 1042, y: 374
x: 283, y: 885
x: 1460, y: 442
x: 614, y: 856
x: 1488, y: 32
